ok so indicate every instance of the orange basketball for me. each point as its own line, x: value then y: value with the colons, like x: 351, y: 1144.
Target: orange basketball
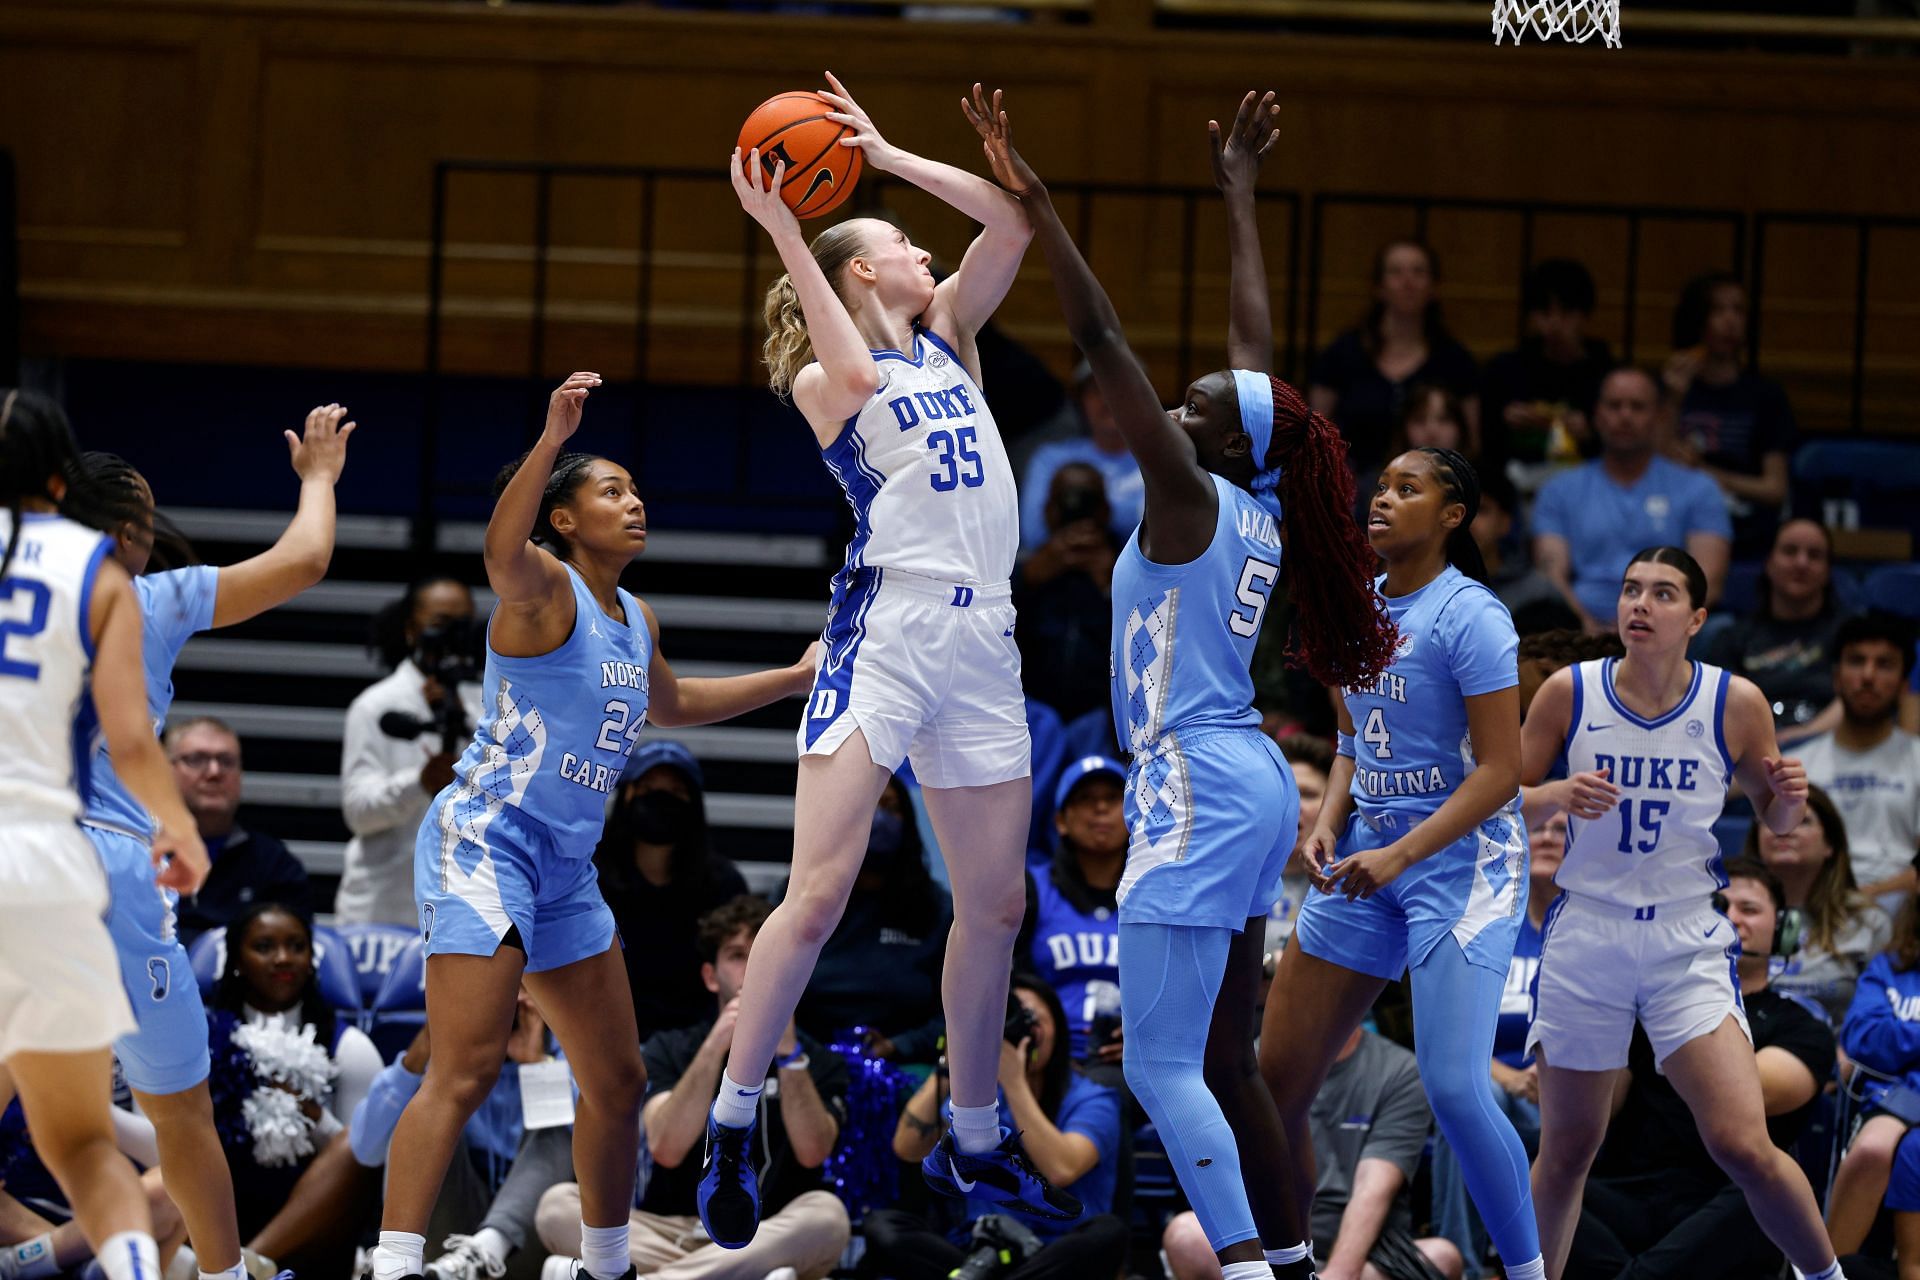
x: 794, y: 127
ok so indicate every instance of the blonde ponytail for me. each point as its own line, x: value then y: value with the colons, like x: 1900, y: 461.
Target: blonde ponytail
x: 788, y: 349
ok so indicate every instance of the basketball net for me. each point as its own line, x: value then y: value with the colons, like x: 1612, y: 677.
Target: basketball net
x: 1574, y: 20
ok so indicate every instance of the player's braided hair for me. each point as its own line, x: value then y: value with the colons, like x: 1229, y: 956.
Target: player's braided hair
x: 36, y: 444
x: 104, y: 492
x: 1346, y: 637
x: 1462, y: 485
x: 568, y: 474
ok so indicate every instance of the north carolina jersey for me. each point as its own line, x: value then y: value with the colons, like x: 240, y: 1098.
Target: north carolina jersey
x: 1411, y: 748
x: 1183, y: 634
x: 173, y: 606
x: 46, y: 650
x: 1657, y: 846
x: 926, y: 474
x: 557, y: 729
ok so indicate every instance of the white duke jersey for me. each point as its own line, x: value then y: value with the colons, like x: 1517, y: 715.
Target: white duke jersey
x: 46, y: 650
x: 925, y: 472
x: 1658, y: 845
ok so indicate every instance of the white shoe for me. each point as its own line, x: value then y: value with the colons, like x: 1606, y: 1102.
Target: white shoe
x: 783, y: 1273
x: 464, y: 1259
x: 559, y: 1267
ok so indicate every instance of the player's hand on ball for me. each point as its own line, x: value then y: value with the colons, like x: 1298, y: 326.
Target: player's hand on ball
x: 1589, y: 795
x: 1237, y: 156
x: 1364, y: 874
x: 180, y: 860
x: 864, y: 135
x: 1786, y: 778
x: 763, y: 204
x: 567, y: 403
x: 996, y: 139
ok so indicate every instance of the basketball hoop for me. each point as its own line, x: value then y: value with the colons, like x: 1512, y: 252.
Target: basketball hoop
x: 1574, y: 20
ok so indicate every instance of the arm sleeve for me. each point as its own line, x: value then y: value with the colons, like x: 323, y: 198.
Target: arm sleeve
x: 359, y: 1067
x: 376, y: 792
x: 1401, y: 1121
x: 1873, y: 1032
x: 372, y: 1125
x: 1483, y: 649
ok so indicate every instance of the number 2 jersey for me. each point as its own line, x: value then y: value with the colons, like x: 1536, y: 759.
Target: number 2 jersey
x: 556, y: 730
x: 926, y: 474
x: 1657, y: 845
x: 1183, y: 634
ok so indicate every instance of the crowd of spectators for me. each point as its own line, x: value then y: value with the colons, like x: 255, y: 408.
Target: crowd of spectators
x: 1583, y: 463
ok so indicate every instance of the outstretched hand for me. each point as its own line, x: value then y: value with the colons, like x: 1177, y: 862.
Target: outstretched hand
x: 567, y: 403
x: 1237, y: 156
x: 764, y: 204
x: 996, y: 139
x: 320, y: 451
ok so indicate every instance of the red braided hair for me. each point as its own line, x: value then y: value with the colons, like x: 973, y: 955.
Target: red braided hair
x: 1345, y: 636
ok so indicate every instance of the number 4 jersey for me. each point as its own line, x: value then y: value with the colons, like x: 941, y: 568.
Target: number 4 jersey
x: 1657, y: 846
x: 557, y: 729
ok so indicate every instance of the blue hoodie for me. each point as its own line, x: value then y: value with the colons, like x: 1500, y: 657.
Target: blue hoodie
x: 1882, y: 1030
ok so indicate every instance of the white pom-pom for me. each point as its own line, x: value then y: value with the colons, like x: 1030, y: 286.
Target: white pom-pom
x: 282, y: 1135
x: 290, y: 1058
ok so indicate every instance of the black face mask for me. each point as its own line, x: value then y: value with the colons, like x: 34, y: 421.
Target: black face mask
x: 661, y: 817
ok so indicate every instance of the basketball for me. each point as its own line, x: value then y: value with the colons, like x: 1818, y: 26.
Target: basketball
x: 794, y: 127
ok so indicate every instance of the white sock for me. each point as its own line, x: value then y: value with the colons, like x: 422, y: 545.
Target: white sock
x: 1534, y: 1268
x: 398, y: 1255
x: 1293, y: 1253
x: 492, y: 1243
x: 603, y: 1251
x: 1247, y: 1271
x: 1831, y: 1273
x: 130, y: 1255
x: 976, y: 1130
x: 736, y: 1105
x: 29, y: 1259
x: 238, y: 1271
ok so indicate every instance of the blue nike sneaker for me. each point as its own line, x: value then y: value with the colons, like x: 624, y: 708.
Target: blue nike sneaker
x: 1003, y: 1175
x: 729, y: 1188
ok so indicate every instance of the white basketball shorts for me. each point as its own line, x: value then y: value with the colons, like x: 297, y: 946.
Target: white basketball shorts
x: 60, y: 984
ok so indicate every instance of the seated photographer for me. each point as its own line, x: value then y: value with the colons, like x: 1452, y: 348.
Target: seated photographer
x: 1369, y: 1122
x: 402, y: 737
x: 1071, y: 1127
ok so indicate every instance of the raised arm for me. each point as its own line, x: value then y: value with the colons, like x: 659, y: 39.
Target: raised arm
x: 1236, y: 168
x: 524, y: 576
x: 843, y: 376
x: 1181, y: 502
x: 299, y: 559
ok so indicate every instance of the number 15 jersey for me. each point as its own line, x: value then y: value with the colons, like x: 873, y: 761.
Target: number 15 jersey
x: 1656, y: 846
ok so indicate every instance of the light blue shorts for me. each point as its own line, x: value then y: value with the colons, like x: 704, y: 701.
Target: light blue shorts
x: 1475, y: 890
x: 1211, y: 819
x: 478, y: 884
x: 167, y: 1051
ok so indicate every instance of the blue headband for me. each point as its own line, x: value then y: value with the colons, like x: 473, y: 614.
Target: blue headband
x: 1256, y: 418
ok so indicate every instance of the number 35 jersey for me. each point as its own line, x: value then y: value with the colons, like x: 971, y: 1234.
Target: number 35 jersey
x: 1183, y: 634
x: 1657, y: 845
x: 925, y: 472
x: 557, y: 729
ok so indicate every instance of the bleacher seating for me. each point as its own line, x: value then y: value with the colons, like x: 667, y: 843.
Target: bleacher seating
x: 399, y: 1009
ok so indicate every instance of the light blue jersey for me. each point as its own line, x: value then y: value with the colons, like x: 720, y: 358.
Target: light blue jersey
x: 173, y: 606
x: 1410, y: 745
x: 1183, y: 634
x: 558, y: 729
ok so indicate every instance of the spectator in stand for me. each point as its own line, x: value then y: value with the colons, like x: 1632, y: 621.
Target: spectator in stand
x: 1625, y: 500
x: 1530, y: 596
x: 1361, y: 381
x: 804, y: 1225
x: 301, y: 1197
x: 1728, y: 421
x: 1842, y: 927
x: 1868, y: 765
x: 1544, y: 652
x: 1072, y: 1131
x: 1063, y: 594
x: 1431, y: 417
x: 1071, y: 936
x: 1882, y: 1037
x: 1537, y: 401
x: 660, y: 875
x: 1786, y: 646
x: 1657, y: 1206
x: 1370, y: 1123
x: 1311, y: 759
x: 247, y: 867
x: 1516, y: 1081
x: 1104, y: 449
x: 387, y: 781
x: 880, y: 968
